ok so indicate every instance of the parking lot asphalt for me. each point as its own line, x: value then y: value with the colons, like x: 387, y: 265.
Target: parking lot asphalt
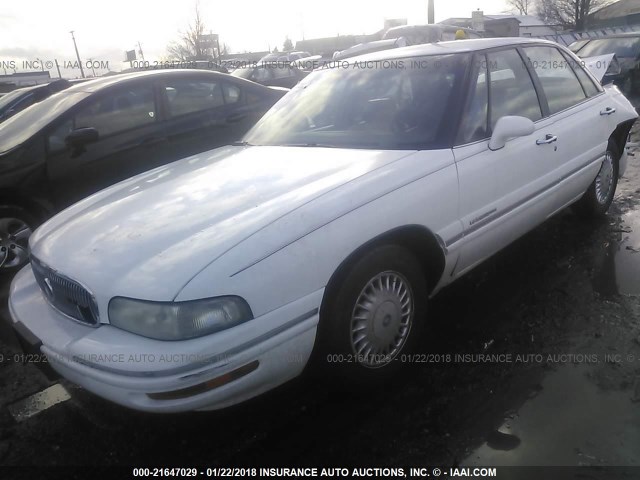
x: 532, y: 359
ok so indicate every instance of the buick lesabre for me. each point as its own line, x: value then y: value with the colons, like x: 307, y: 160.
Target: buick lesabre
x: 324, y: 233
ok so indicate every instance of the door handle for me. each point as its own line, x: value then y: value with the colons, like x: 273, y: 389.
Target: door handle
x: 608, y: 111
x: 549, y: 138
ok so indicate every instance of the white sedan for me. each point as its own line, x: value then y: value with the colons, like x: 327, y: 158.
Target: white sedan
x: 321, y: 236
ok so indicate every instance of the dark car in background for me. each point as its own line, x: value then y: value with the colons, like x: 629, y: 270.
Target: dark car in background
x: 273, y: 74
x: 95, y: 134
x: 626, y: 71
x: 21, y: 98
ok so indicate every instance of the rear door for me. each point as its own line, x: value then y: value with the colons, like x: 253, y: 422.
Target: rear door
x: 578, y: 119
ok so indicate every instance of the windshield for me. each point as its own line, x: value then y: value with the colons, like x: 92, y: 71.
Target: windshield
x: 622, y: 47
x: 27, y: 123
x: 10, y: 97
x: 394, y: 105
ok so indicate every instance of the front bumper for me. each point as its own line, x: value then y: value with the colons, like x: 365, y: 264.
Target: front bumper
x: 135, y: 371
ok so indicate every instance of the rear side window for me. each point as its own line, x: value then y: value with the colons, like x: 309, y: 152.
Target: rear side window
x: 587, y: 83
x: 186, y: 96
x: 559, y: 82
x: 512, y: 90
x: 123, y: 109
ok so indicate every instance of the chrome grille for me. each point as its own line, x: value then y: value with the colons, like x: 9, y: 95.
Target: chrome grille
x: 66, y: 295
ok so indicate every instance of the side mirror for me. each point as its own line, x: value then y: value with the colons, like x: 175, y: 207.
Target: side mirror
x: 80, y: 137
x: 510, y: 127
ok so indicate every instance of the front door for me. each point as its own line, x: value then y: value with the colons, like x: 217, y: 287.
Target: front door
x: 501, y: 192
x: 131, y: 140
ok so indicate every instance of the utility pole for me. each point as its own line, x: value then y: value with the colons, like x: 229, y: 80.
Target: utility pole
x: 431, y: 14
x: 140, y: 50
x: 92, y: 69
x: 77, y: 54
x: 58, y: 67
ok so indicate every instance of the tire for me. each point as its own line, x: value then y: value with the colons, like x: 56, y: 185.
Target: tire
x: 16, y: 226
x: 598, y: 197
x: 363, y: 341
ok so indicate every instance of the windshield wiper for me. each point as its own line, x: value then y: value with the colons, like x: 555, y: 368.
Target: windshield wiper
x: 311, y: 144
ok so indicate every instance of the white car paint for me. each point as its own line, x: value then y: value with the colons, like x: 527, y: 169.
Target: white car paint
x: 272, y: 225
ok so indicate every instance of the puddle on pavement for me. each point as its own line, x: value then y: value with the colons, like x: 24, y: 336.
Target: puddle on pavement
x: 571, y: 421
x: 38, y: 402
x: 619, y: 269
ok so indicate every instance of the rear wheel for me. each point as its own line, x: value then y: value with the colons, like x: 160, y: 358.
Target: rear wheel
x: 375, y: 316
x: 597, y: 199
x: 16, y: 226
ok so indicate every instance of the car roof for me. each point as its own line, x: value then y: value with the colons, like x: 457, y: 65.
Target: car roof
x: 447, y: 48
x: 97, y: 84
x: 616, y: 35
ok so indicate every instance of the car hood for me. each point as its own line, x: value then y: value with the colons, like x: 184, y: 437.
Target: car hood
x: 148, y: 236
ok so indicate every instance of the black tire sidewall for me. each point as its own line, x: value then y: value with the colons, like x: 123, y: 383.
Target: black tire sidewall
x: 336, y: 320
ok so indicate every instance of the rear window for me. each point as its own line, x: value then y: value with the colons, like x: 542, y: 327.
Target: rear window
x: 622, y: 47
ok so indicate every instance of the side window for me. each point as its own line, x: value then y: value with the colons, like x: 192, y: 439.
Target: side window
x: 124, y: 109
x: 56, y: 138
x: 589, y: 87
x: 231, y: 93
x: 512, y: 90
x: 474, y: 123
x: 560, y: 84
x: 189, y: 96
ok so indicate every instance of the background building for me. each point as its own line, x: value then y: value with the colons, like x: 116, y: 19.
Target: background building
x: 26, y: 79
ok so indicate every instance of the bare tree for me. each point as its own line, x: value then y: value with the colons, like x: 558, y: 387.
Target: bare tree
x: 522, y: 6
x: 571, y: 14
x: 190, y: 46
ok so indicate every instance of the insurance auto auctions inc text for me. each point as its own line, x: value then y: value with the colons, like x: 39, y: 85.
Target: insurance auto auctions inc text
x: 414, y: 472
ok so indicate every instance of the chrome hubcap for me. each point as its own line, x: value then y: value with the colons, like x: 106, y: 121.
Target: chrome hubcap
x: 14, y: 238
x: 604, y: 180
x: 381, y: 319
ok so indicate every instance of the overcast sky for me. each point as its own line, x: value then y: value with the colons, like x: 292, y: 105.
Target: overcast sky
x: 39, y: 29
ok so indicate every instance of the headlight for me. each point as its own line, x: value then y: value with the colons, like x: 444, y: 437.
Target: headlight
x: 178, y: 320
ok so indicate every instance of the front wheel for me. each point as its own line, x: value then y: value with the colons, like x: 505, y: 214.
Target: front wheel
x: 375, y: 315
x: 16, y: 226
x: 597, y: 199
